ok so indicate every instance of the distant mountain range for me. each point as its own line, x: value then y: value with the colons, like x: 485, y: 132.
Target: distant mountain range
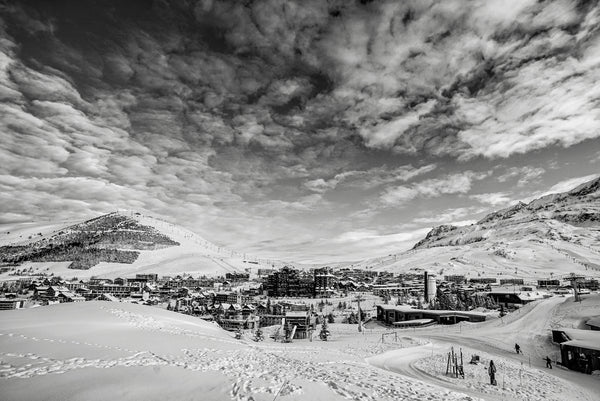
x: 553, y: 235
x: 119, y: 243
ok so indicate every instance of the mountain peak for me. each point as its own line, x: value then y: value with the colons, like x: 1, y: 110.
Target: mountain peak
x: 551, y: 217
x: 587, y: 188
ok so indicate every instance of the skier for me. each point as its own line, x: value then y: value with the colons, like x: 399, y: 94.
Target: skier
x: 492, y: 373
x: 548, y: 362
x: 518, y: 349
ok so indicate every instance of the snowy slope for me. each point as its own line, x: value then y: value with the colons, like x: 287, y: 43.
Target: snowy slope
x: 170, y: 249
x: 104, y: 350
x: 554, y: 235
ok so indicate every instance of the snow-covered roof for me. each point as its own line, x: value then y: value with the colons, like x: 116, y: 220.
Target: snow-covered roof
x: 584, y: 335
x: 408, y: 309
x: 595, y: 345
x: 296, y: 314
x: 595, y: 321
x: 413, y: 322
x: 399, y: 308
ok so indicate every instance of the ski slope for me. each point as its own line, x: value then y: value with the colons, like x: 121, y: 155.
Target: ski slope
x: 194, y: 255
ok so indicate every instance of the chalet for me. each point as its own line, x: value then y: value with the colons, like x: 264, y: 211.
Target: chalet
x: 261, y: 309
x: 362, y: 287
x: 120, y: 281
x: 41, y: 291
x: 302, y: 321
x: 248, y: 310
x: 54, y: 291
x: 347, y: 285
x: 73, y: 285
x: 579, y: 349
x: 231, y: 317
x: 68, y: 296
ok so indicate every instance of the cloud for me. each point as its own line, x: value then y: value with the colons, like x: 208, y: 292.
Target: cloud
x: 368, y: 179
x: 525, y: 174
x: 450, y: 216
x: 239, y: 119
x: 450, y: 184
x: 493, y: 198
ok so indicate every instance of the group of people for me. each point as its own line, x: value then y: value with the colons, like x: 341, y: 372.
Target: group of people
x: 492, y: 367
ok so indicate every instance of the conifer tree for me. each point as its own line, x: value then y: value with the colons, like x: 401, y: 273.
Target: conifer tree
x: 330, y: 318
x: 324, y: 334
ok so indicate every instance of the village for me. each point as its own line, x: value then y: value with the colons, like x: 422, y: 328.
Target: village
x: 292, y: 304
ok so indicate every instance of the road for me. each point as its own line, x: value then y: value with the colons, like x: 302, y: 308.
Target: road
x: 529, y: 327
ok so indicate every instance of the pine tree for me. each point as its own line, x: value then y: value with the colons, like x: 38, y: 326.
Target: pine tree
x: 352, y: 318
x: 330, y: 318
x: 324, y: 334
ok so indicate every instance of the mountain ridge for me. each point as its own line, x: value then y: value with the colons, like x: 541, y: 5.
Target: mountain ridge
x: 554, y: 235
x: 123, y: 243
x: 567, y: 207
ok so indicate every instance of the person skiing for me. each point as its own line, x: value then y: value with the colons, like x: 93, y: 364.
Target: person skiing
x: 518, y: 349
x: 492, y: 373
x: 548, y: 362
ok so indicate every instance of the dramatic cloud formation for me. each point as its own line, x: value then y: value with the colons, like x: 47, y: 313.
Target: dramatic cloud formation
x: 296, y: 129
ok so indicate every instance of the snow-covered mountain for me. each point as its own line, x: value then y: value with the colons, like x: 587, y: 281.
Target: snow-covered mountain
x: 555, y: 234
x: 118, y: 244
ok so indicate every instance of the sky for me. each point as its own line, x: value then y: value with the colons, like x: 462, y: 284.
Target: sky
x: 308, y: 131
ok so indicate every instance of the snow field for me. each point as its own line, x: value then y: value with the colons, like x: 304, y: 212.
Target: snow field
x: 516, y: 381
x: 82, y: 346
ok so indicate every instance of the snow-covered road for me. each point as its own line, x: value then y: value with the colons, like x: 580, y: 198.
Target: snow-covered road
x: 529, y: 327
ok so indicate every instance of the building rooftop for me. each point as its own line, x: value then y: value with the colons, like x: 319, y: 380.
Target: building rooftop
x: 409, y: 309
x: 595, y: 321
x: 296, y: 314
x: 583, y: 335
x: 595, y: 345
